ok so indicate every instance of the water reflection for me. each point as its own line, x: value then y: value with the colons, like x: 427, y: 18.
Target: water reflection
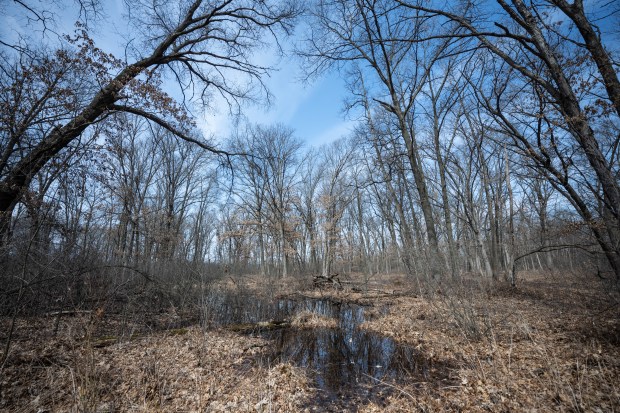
x: 345, y: 356
x: 342, y: 359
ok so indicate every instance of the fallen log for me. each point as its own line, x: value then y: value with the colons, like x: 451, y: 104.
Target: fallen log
x: 321, y: 280
x: 260, y: 326
x: 67, y: 313
x: 107, y: 341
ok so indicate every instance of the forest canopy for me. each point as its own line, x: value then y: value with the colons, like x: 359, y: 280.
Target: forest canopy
x: 486, y: 141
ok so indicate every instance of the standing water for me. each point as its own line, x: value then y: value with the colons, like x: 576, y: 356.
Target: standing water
x: 345, y: 361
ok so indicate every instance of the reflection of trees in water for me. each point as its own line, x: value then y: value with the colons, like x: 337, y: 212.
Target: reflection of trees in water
x: 344, y: 356
x: 341, y: 358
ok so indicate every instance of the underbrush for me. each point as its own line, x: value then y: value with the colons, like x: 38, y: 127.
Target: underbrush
x: 525, y: 348
x: 551, y: 344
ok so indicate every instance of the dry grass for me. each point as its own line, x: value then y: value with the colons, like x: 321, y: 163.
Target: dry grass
x: 308, y: 319
x: 553, y: 344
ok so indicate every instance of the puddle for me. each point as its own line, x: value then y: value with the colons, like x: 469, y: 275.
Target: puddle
x: 345, y: 361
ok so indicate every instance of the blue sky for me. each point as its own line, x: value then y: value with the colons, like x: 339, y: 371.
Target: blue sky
x: 313, y: 109
x: 319, y: 117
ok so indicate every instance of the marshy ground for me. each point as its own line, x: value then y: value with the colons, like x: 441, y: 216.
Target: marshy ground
x: 551, y: 344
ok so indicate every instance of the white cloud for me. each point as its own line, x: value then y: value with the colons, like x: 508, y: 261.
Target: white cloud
x: 288, y: 95
x: 335, y: 132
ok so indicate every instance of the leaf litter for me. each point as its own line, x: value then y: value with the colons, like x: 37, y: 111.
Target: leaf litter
x: 552, y: 344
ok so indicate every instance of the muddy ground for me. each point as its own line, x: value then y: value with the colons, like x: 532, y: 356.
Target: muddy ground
x: 551, y: 344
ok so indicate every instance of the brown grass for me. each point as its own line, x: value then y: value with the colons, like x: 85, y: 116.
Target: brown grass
x: 308, y: 319
x: 552, y: 344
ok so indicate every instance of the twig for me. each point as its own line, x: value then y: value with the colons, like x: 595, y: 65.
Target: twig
x: 391, y: 385
x: 67, y: 312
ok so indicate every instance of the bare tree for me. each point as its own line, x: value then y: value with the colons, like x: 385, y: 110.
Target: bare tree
x: 384, y: 43
x: 442, y: 96
x: 535, y: 48
x: 268, y: 174
x: 306, y: 207
x: 335, y: 195
x: 129, y: 174
x: 201, y: 44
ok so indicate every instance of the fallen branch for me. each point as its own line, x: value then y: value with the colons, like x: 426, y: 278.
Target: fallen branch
x: 67, y: 312
x: 544, y: 248
x: 392, y: 386
x: 260, y: 326
x: 332, y: 279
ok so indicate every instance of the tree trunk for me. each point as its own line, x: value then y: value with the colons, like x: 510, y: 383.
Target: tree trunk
x: 510, y: 245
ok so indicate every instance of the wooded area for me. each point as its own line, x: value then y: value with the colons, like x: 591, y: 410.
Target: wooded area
x: 486, y: 146
x: 478, y: 148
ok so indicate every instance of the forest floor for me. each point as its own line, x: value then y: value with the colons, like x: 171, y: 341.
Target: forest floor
x: 551, y: 344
